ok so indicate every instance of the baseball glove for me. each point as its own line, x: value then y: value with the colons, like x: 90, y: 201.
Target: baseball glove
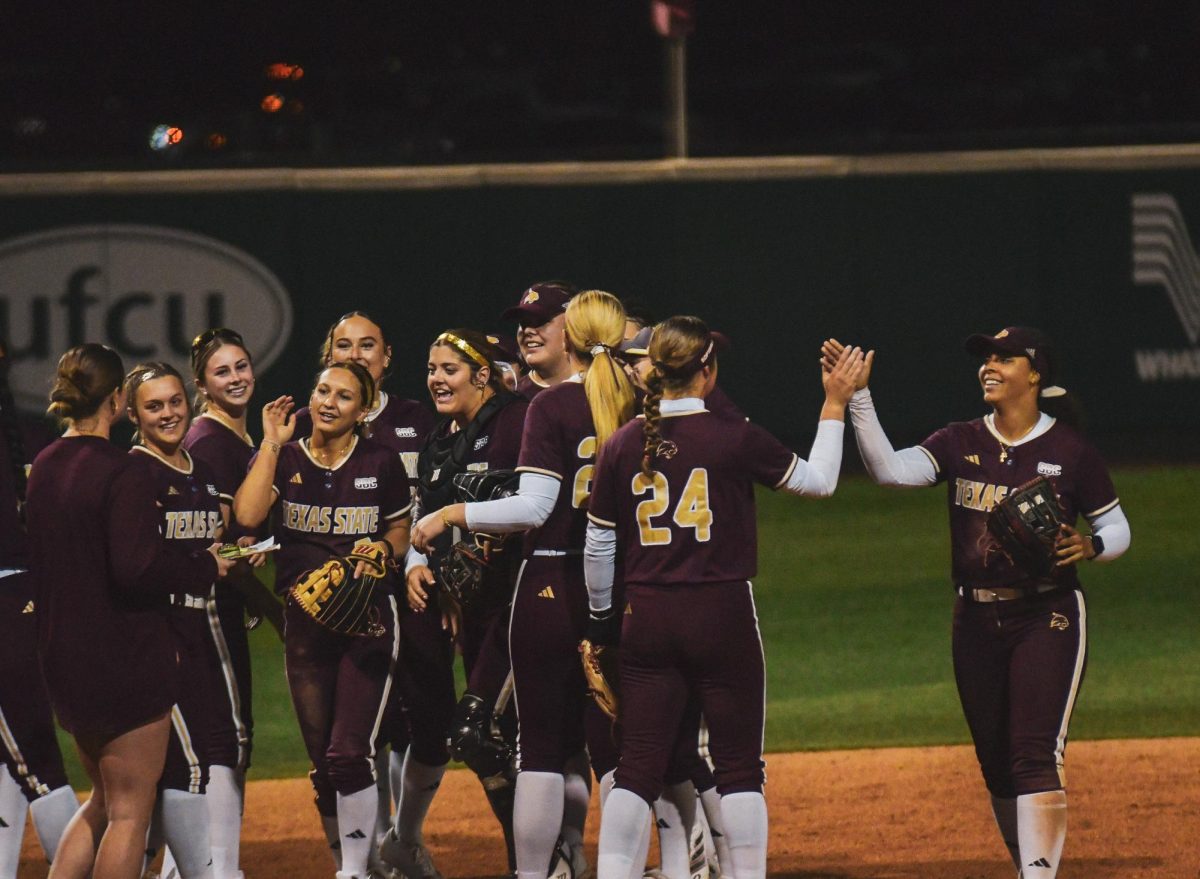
x: 338, y: 600
x: 1027, y: 524
x: 462, y: 572
x: 602, y: 673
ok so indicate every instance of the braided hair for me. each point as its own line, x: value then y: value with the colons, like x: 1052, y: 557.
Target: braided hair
x: 677, y: 350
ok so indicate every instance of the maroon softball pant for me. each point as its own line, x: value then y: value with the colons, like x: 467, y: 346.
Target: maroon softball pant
x: 1018, y: 665
x: 700, y: 639
x: 340, y: 686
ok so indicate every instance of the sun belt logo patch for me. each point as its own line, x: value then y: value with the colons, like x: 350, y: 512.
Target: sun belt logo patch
x: 366, y: 482
x: 1045, y: 469
x: 406, y: 432
x: 1058, y: 621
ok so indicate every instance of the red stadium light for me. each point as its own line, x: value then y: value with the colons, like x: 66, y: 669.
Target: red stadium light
x: 282, y: 71
x: 673, y: 19
x: 216, y: 141
x: 272, y: 103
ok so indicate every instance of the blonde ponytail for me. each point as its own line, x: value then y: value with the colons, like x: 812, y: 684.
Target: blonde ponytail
x: 595, y: 326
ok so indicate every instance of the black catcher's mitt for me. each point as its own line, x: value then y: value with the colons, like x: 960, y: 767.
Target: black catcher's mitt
x: 1027, y: 523
x: 338, y: 600
x: 462, y: 570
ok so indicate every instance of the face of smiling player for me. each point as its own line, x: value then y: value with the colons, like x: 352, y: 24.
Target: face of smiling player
x: 544, y: 348
x: 1007, y: 379
x: 357, y: 339
x: 161, y: 414
x: 229, y: 380
x: 336, y: 404
x: 455, y: 390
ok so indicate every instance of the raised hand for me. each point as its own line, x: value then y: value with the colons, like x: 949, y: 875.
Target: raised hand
x: 278, y: 421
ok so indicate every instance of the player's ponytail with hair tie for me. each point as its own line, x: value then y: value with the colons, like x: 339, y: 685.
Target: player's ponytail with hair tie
x: 650, y: 427
x: 595, y: 325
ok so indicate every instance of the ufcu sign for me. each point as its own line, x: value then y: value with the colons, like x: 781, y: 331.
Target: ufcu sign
x: 144, y: 290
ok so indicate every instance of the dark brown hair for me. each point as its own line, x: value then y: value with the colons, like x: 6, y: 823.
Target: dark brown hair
x: 326, y: 350
x: 365, y: 382
x: 86, y: 375
x: 482, y: 345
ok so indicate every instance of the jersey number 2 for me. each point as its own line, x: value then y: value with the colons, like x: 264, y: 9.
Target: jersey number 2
x: 692, y: 511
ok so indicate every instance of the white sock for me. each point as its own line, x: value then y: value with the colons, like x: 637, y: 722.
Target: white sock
x: 51, y: 815
x: 168, y: 870
x: 418, y: 786
x: 383, y: 792
x: 329, y: 825
x: 537, y: 818
x: 396, y: 762
x: 13, y: 809
x: 745, y: 818
x: 607, y: 780
x: 710, y: 801
x: 577, y: 796
x: 637, y: 867
x: 225, y: 805
x: 1041, y: 832
x: 1005, y: 810
x: 623, y: 824
x: 185, y: 827
x: 356, y: 824
x: 674, y: 815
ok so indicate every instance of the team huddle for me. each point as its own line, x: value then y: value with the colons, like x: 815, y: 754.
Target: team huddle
x: 574, y: 515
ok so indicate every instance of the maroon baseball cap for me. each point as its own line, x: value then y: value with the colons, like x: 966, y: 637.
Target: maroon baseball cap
x: 506, y: 345
x: 1018, y: 342
x: 542, y: 302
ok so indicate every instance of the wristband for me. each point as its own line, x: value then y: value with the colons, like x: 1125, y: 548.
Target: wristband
x: 445, y: 519
x: 1097, y: 544
x: 269, y: 446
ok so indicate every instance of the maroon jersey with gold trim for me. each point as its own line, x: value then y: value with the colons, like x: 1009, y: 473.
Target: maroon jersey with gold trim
x: 188, y: 502
x: 400, y: 424
x: 695, y: 522
x: 979, y: 471
x: 321, y: 512
x: 528, y: 388
x: 560, y: 441
x: 226, y: 454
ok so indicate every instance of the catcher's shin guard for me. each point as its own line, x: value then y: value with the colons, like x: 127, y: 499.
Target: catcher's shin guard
x: 474, y: 740
x: 501, y: 795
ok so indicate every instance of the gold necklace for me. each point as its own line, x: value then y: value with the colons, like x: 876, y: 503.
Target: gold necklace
x: 1005, y: 445
x: 337, y: 458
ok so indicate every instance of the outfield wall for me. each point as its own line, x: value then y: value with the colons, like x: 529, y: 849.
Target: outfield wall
x: 906, y: 254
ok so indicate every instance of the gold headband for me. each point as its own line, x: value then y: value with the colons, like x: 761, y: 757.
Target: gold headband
x: 464, y: 346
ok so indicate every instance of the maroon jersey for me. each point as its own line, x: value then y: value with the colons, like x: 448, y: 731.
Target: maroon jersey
x: 321, y: 512
x: 695, y: 521
x: 401, y: 425
x: 225, y: 453
x: 979, y: 470
x: 528, y: 387
x: 101, y: 577
x: 188, y: 502
x: 560, y: 441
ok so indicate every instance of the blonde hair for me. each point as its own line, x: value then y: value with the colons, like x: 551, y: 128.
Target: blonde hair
x: 673, y: 351
x: 595, y: 326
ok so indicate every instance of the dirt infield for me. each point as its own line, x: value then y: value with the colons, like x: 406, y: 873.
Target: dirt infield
x: 883, y: 814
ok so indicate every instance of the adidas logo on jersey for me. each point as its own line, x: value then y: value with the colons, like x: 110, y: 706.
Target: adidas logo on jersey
x: 406, y: 432
x: 548, y: 592
x: 172, y: 490
x: 296, y: 480
x: 971, y: 459
x: 28, y: 608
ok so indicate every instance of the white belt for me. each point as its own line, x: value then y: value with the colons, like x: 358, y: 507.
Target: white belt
x: 8, y: 572
x: 555, y: 553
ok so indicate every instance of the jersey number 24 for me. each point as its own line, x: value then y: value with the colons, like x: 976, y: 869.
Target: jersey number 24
x: 692, y: 511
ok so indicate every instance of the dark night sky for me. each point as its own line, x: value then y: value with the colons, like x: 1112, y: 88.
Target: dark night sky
x: 83, y: 84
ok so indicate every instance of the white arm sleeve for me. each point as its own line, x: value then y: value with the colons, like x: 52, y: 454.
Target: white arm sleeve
x: 910, y: 468
x: 600, y: 565
x: 1113, y: 529
x: 818, y: 476
x: 529, y: 508
x: 412, y: 558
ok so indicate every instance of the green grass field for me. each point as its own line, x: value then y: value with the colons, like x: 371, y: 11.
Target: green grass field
x: 854, y: 603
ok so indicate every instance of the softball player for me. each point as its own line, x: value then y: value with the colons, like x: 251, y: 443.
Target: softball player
x: 190, y: 510
x: 218, y: 439
x: 329, y: 491
x: 675, y: 493
x: 566, y: 425
x: 101, y: 575
x: 1020, y: 642
x: 34, y: 780
x: 480, y: 430
x: 541, y: 335
x: 417, y: 739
